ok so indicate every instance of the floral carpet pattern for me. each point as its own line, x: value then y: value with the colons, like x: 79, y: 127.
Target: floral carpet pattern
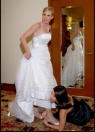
x: 11, y: 123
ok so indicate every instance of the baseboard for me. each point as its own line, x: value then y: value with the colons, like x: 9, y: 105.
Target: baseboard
x: 11, y: 87
x: 8, y: 87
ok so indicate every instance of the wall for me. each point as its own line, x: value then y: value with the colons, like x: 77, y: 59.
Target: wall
x: 16, y: 17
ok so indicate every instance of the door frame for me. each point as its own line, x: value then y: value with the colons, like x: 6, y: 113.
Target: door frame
x: 55, y: 46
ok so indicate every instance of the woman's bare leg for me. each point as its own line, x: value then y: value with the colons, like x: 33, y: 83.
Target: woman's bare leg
x: 36, y: 112
x: 47, y: 115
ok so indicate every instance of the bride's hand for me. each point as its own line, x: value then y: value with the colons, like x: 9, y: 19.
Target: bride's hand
x: 73, y: 47
x: 27, y: 55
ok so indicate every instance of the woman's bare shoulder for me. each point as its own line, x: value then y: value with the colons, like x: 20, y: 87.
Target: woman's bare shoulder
x: 36, y: 25
x: 70, y: 99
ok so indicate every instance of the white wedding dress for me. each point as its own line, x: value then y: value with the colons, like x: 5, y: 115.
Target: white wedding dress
x: 73, y: 62
x: 34, y: 81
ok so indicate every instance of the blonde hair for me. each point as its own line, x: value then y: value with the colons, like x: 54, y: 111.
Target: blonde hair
x: 49, y: 9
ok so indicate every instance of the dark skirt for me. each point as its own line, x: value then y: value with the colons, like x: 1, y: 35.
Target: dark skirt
x: 80, y: 114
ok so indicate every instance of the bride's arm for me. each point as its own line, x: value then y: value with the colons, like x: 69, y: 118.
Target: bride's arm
x: 23, y: 38
x: 72, y: 42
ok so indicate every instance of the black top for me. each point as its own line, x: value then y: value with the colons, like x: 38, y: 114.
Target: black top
x: 80, y: 114
x: 65, y: 106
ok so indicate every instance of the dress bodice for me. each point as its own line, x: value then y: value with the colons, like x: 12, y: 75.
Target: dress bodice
x: 41, y: 40
x: 77, y: 41
x: 78, y: 38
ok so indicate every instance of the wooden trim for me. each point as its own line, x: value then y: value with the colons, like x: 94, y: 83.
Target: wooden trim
x: 8, y: 87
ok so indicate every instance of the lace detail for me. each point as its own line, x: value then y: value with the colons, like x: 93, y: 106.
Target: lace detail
x: 34, y: 80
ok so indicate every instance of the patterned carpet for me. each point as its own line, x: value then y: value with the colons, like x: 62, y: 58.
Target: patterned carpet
x: 10, y: 123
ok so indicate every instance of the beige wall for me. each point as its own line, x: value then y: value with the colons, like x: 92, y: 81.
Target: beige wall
x: 16, y: 17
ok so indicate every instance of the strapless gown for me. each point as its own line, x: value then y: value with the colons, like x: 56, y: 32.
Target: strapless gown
x: 34, y: 81
x: 73, y: 63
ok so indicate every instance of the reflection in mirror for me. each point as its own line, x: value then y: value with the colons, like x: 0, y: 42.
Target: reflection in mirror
x: 72, y: 47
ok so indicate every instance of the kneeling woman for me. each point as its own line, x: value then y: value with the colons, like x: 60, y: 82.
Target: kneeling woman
x: 69, y: 109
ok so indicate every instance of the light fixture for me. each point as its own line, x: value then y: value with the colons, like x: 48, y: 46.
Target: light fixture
x: 69, y: 22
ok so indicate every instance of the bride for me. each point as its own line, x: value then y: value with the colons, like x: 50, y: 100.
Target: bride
x: 73, y: 60
x: 35, y: 80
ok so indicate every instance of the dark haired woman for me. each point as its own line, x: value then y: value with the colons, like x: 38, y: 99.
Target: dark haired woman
x: 74, y: 58
x: 69, y: 109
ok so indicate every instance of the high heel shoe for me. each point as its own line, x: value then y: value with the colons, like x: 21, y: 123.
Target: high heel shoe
x: 53, y: 123
x: 48, y: 121
x: 44, y: 114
